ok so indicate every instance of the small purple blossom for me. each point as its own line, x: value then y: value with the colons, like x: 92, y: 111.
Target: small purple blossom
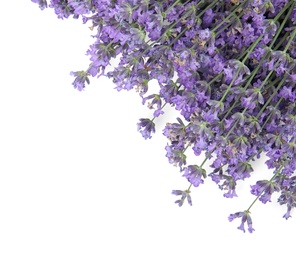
x: 194, y: 174
x: 228, y: 183
x: 42, y: 3
x: 175, y: 155
x: 288, y: 195
x: 264, y: 190
x: 245, y: 218
x: 184, y: 194
x: 156, y: 100
x: 146, y: 127
x: 80, y: 78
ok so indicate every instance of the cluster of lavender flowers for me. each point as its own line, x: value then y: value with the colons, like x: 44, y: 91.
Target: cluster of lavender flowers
x: 228, y: 67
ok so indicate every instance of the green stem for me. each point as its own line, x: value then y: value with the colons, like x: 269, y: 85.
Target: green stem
x: 178, y: 37
x: 274, y: 20
x: 160, y: 108
x: 267, y: 53
x: 281, y: 27
x: 186, y: 147
x: 168, y: 28
x: 229, y: 24
x: 204, y: 161
x: 230, y: 15
x: 196, y: 18
x: 290, y: 40
x: 234, y: 125
x: 269, y: 116
x: 284, y: 9
x: 205, y: 9
x: 249, y: 51
x: 216, y: 77
x: 176, y: 2
x: 238, y: 71
x: 236, y: 122
x: 281, y: 41
x: 271, y: 97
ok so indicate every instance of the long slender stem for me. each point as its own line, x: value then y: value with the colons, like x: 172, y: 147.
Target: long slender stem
x: 230, y: 15
x: 272, y: 96
x: 238, y: 71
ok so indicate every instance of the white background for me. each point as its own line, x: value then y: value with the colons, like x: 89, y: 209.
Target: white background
x: 77, y: 181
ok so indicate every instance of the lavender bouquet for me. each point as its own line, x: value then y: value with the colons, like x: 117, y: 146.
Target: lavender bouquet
x: 227, y: 67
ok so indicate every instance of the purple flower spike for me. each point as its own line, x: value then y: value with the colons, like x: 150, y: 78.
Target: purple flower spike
x: 146, y: 127
x: 245, y: 217
x: 194, y: 174
x: 264, y: 189
x: 81, y: 78
x: 184, y: 194
x: 42, y: 3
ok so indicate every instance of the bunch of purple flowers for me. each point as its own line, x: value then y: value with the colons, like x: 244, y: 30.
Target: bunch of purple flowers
x: 227, y: 66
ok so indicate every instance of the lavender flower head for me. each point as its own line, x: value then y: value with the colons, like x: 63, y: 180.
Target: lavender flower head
x: 80, y: 80
x: 245, y: 218
x: 146, y: 127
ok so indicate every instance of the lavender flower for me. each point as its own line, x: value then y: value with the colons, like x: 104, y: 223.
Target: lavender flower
x: 176, y: 155
x: 227, y: 67
x: 288, y: 195
x: 245, y: 218
x: 42, y: 3
x: 264, y: 190
x: 194, y: 174
x: 146, y: 127
x: 81, y: 78
x: 184, y: 194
